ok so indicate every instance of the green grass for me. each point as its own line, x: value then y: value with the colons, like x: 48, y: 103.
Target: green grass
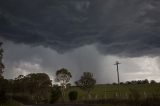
x: 112, y: 91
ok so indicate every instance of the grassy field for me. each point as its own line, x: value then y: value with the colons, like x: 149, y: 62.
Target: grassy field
x: 119, y: 91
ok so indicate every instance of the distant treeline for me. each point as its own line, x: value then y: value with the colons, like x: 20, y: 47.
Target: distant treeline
x: 146, y: 81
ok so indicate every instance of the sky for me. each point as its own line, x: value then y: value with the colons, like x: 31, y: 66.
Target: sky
x: 82, y: 35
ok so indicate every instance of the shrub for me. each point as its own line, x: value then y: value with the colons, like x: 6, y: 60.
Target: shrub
x: 55, y: 94
x: 73, y: 95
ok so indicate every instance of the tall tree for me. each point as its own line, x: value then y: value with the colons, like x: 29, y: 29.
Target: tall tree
x: 1, y: 57
x: 39, y: 86
x: 86, y: 82
x: 63, y: 77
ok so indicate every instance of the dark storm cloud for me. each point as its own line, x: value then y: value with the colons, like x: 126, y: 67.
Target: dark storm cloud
x: 25, y: 60
x: 123, y: 27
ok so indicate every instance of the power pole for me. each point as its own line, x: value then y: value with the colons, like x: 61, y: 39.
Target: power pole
x: 117, y: 63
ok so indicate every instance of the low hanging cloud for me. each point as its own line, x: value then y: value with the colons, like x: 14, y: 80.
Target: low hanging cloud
x: 117, y: 27
x: 23, y: 59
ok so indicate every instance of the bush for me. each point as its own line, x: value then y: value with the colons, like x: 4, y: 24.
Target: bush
x: 73, y: 95
x: 2, y: 95
x: 55, y: 94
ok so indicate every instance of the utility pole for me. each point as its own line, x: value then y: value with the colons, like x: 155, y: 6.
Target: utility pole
x: 117, y: 63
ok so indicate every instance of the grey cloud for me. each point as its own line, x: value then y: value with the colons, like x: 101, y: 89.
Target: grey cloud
x: 23, y: 59
x: 118, y: 27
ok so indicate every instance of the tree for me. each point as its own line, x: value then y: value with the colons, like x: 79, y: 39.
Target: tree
x: 145, y: 81
x: 1, y: 63
x: 63, y: 77
x: 86, y: 82
x: 153, y: 82
x: 39, y: 86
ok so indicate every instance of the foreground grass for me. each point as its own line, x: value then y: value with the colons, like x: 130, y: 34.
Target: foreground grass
x: 11, y: 103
